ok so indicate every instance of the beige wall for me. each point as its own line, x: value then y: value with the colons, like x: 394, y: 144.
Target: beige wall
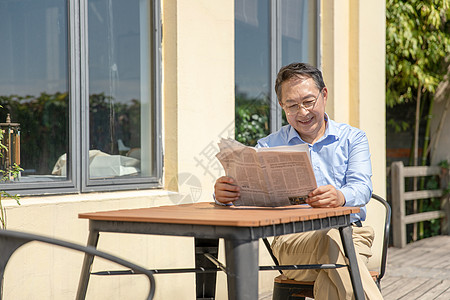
x: 353, y: 61
x: 198, y: 109
x: 198, y: 87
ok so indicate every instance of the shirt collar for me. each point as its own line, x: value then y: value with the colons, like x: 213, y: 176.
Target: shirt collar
x: 292, y: 136
x: 331, y: 131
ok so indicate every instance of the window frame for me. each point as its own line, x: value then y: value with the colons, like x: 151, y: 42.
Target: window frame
x: 78, y: 149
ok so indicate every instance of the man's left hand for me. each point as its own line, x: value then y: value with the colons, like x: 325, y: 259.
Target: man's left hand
x: 326, y: 196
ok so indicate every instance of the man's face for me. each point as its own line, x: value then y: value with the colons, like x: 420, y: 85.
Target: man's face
x: 309, y: 123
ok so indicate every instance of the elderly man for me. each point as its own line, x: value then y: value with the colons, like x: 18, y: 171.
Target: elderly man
x: 341, y: 162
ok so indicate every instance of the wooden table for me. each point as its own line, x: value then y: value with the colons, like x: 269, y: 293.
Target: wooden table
x: 241, y: 228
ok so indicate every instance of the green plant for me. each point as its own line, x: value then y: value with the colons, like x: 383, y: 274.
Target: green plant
x: 417, y: 47
x: 9, y: 174
x: 252, y: 119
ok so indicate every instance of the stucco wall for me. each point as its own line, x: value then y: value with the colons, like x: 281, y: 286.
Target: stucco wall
x: 353, y: 61
x: 440, y: 128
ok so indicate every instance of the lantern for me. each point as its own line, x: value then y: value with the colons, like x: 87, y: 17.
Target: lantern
x: 10, y: 153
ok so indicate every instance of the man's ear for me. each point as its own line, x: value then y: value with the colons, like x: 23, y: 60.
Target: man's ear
x: 325, y: 95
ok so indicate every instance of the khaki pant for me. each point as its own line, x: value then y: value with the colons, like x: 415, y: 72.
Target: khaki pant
x: 325, y: 246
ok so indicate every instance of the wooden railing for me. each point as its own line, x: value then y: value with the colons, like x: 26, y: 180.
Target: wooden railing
x: 399, y: 197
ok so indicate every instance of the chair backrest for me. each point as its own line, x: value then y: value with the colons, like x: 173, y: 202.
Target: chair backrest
x: 378, y: 217
x: 10, y: 241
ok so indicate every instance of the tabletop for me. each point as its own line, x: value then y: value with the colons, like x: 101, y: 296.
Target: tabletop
x: 207, y: 213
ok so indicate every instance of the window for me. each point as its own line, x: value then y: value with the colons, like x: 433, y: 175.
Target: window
x: 268, y: 35
x: 82, y: 78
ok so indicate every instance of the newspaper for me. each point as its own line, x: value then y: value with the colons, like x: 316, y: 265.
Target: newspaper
x: 274, y: 176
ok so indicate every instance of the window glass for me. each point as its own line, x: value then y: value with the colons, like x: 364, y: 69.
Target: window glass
x: 289, y: 28
x: 299, y: 31
x: 252, y: 70
x: 120, y: 111
x: 34, y: 84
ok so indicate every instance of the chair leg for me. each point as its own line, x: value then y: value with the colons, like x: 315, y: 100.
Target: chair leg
x: 378, y: 283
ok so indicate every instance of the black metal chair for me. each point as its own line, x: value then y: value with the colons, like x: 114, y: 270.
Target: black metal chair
x: 379, y: 217
x: 10, y: 241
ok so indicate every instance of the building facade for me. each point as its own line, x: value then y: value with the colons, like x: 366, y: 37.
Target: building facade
x: 160, y: 76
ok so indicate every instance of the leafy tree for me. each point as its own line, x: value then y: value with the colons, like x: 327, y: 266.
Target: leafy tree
x: 417, y: 43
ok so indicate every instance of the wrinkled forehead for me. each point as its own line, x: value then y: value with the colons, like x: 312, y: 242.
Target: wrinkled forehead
x: 297, y: 79
x: 293, y: 80
x: 297, y: 86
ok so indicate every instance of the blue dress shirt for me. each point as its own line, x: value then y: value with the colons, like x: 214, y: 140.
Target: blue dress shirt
x: 341, y: 157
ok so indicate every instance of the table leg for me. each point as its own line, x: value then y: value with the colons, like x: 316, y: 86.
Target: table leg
x: 205, y: 282
x: 349, y: 250
x: 242, y: 260
x: 87, y: 266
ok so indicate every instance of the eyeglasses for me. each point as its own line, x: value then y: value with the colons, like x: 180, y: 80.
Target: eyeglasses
x: 308, y: 104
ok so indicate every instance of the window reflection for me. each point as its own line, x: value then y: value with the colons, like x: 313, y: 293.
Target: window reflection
x: 34, y: 81
x: 119, y: 85
x: 287, y: 27
x: 299, y: 31
x: 252, y: 70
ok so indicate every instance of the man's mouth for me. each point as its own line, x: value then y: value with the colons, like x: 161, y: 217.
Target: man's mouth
x: 306, y: 121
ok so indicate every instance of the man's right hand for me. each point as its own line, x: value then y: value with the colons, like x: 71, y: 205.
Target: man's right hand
x: 226, y: 190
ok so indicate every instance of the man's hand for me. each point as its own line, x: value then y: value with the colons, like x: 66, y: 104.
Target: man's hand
x: 226, y: 190
x: 326, y: 196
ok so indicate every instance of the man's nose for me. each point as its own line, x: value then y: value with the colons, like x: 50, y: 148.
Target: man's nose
x: 301, y: 111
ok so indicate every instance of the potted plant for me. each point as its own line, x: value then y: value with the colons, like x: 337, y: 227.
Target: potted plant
x: 7, y: 173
